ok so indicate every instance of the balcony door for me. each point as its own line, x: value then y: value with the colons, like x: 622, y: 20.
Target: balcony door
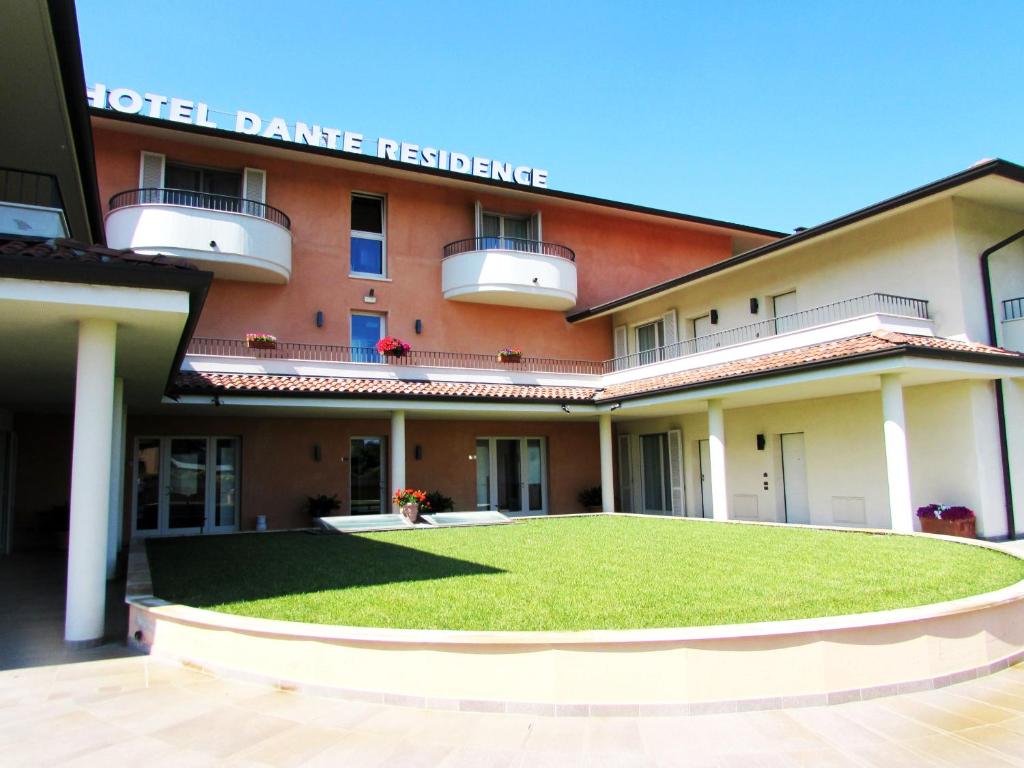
x: 511, y: 475
x: 784, y: 311
x: 507, y: 232
x: 185, y: 485
x: 650, y: 338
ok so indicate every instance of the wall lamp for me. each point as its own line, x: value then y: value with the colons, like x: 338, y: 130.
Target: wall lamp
x: 760, y: 442
x: 754, y: 306
x: 319, y: 318
x: 566, y: 408
x: 419, y: 326
x: 213, y: 243
x: 317, y: 455
x: 417, y: 452
x: 370, y: 297
x: 714, y: 316
x: 615, y: 407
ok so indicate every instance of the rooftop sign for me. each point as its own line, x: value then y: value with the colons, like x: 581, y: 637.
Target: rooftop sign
x: 178, y: 110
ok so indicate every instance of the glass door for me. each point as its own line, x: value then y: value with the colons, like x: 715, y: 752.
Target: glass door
x: 511, y: 475
x: 654, y: 460
x: 366, y: 481
x: 649, y: 340
x: 186, y: 485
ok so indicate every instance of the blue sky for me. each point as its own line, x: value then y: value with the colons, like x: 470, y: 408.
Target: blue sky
x: 774, y: 114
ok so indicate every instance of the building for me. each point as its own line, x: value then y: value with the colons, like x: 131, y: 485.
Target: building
x: 840, y: 375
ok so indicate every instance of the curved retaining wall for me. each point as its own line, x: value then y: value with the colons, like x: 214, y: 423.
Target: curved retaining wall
x: 632, y: 672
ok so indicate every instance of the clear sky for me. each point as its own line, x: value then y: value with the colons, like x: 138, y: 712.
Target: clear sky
x: 774, y: 114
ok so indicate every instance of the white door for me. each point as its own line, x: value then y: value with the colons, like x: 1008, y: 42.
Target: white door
x: 701, y: 332
x: 784, y: 311
x: 794, y: 478
x: 705, y: 479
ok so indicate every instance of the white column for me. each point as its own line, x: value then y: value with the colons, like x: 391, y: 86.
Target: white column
x: 397, y: 450
x: 115, y: 515
x: 716, y: 445
x: 897, y: 464
x: 604, y: 426
x: 90, y: 481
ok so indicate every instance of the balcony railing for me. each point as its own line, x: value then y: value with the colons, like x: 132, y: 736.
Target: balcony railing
x: 508, y: 244
x: 872, y: 303
x: 205, y: 200
x: 1013, y: 309
x: 326, y: 353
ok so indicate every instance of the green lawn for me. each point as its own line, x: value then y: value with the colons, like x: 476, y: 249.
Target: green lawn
x: 573, y: 573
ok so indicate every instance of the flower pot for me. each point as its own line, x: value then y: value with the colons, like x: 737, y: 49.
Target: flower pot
x: 510, y: 358
x: 964, y: 528
x: 260, y: 344
x: 394, y: 353
x: 411, y: 512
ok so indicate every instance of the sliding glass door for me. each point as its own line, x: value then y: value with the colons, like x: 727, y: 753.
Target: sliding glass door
x: 185, y: 485
x: 511, y: 475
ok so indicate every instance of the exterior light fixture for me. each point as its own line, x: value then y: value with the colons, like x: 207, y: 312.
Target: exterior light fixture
x: 760, y: 442
x: 566, y: 408
x: 615, y: 407
x: 213, y: 243
x: 370, y: 298
x: 417, y: 452
x: 714, y: 316
x: 754, y: 306
x: 419, y: 327
x: 316, y: 452
x: 319, y: 318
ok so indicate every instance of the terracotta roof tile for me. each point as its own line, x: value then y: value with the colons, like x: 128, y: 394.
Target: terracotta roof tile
x: 65, y: 250
x: 824, y: 353
x: 193, y: 382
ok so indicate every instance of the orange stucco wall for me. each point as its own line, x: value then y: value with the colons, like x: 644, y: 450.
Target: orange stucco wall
x: 615, y: 255
x: 278, y: 470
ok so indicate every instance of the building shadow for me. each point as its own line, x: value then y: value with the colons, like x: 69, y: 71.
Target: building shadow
x: 206, y: 571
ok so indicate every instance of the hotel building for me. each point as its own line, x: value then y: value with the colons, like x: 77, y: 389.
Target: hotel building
x: 842, y: 375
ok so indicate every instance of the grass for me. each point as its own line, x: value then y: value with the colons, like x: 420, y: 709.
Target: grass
x: 570, y: 574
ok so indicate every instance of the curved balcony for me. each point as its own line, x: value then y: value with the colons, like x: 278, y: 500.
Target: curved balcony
x: 235, y: 238
x: 510, y: 271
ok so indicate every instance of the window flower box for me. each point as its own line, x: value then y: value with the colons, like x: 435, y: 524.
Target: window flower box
x: 510, y: 355
x: 392, y: 346
x: 947, y: 520
x: 260, y: 341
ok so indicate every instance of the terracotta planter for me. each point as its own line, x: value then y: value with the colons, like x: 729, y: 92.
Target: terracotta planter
x: 962, y: 528
x: 260, y: 344
x: 411, y: 512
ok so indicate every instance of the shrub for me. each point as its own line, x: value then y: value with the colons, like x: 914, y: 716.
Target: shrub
x: 944, y: 512
x: 439, y: 502
x: 322, y: 505
x: 590, y: 497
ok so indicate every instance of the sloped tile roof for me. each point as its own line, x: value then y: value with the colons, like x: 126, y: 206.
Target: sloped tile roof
x: 193, y: 382
x: 64, y: 250
x: 816, y: 355
x: 878, y: 342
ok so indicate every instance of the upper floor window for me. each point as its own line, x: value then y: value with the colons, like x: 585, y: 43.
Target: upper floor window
x: 368, y: 255
x: 497, y: 226
x: 650, y: 338
x: 195, y: 179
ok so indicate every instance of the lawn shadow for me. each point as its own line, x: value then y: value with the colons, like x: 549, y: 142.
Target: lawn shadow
x: 204, y: 571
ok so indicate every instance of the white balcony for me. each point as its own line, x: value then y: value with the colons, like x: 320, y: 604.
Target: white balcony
x: 511, y: 272
x: 236, y: 239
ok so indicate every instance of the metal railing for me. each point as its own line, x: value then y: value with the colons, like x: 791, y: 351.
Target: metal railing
x: 508, y: 244
x: 1013, y: 309
x: 205, y: 200
x: 327, y: 353
x: 883, y: 303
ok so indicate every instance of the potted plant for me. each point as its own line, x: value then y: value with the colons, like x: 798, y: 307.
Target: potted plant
x: 438, y: 502
x: 322, y: 505
x: 410, y: 502
x: 260, y: 341
x: 947, y: 520
x: 590, y: 499
x: 510, y: 355
x: 392, y: 346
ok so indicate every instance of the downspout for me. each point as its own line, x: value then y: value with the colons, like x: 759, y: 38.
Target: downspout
x: 990, y: 319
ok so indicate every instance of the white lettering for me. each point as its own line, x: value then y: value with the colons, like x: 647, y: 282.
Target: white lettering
x: 353, y: 142
x: 277, y: 128
x: 247, y: 122
x: 522, y: 174
x: 540, y: 178
x: 410, y: 153
x: 501, y: 171
x: 443, y: 160
x: 387, y: 148
x: 481, y: 167
x: 203, y: 116
x: 460, y: 163
x: 180, y: 110
x: 97, y: 96
x: 306, y: 134
x: 117, y: 101
x: 331, y: 137
x: 430, y: 157
x: 156, y: 103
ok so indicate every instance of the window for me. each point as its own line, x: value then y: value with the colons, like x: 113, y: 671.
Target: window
x: 650, y: 338
x: 508, y: 232
x: 368, y: 255
x: 367, y: 330
x: 195, y: 179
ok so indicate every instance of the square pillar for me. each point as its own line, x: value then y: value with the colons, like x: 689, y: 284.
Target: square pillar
x: 397, y: 450
x: 604, y: 426
x: 897, y: 464
x: 90, y: 482
x: 716, y: 445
